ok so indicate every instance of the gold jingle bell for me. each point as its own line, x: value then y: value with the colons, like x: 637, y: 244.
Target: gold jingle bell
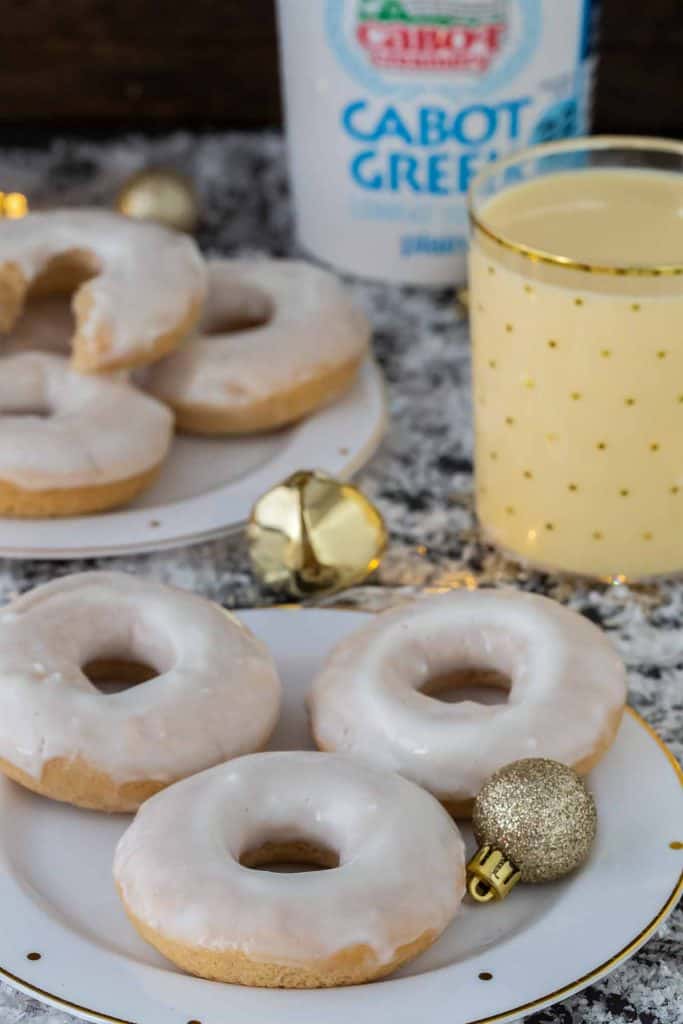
x: 313, y: 534
x: 163, y: 196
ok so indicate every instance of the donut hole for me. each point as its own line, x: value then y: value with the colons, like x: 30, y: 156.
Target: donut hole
x: 42, y: 411
x: 64, y: 273
x: 46, y: 322
x: 113, y: 675
x: 480, y: 685
x: 240, y: 309
x: 290, y: 856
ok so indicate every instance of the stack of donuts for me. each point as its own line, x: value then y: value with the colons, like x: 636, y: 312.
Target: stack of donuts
x: 374, y: 805
x: 220, y: 347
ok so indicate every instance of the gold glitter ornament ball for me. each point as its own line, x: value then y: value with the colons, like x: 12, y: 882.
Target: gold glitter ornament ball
x: 313, y: 534
x: 162, y: 196
x: 540, y: 815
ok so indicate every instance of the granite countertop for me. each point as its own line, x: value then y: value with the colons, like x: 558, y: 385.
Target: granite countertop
x: 421, y: 479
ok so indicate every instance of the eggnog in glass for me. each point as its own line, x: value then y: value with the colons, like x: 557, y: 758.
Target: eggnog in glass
x: 576, y: 298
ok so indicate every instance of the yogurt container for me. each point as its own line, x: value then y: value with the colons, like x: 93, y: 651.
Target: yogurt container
x: 392, y: 106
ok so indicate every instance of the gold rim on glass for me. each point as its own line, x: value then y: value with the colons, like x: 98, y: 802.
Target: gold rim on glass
x: 586, y: 144
x: 550, y: 997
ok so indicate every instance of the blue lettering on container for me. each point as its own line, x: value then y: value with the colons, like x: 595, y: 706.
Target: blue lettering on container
x: 431, y: 245
x: 435, y: 151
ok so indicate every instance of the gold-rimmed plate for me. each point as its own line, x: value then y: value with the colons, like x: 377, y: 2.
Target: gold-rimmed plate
x: 65, y: 938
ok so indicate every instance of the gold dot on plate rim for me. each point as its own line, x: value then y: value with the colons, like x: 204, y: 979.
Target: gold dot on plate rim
x: 601, y: 446
x: 528, y: 474
x: 573, y: 487
x: 492, y: 363
x: 34, y: 956
x: 662, y: 354
x: 485, y: 976
x: 510, y: 510
x: 629, y: 400
x: 492, y: 270
x: 552, y: 343
x: 530, y: 383
x: 510, y: 420
x: 647, y: 535
x: 575, y: 396
x: 578, y: 302
x: 606, y: 353
x: 598, y: 535
x: 550, y: 527
x: 624, y: 492
x: 635, y: 307
x: 509, y: 328
x: 528, y: 289
x: 654, y: 447
x: 674, y: 490
x: 675, y: 845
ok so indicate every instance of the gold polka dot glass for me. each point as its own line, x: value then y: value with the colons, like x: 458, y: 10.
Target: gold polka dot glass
x: 576, y: 298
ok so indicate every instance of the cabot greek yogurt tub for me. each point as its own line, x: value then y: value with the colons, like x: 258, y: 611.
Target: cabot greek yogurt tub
x: 393, y: 105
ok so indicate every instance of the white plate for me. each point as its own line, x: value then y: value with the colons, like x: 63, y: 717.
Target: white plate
x: 543, y: 943
x: 207, y: 486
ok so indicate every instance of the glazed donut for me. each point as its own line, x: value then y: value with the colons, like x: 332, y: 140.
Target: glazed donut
x: 71, y: 444
x: 304, y: 346
x: 139, y: 286
x: 566, y: 690
x: 183, y: 871
x: 216, y: 694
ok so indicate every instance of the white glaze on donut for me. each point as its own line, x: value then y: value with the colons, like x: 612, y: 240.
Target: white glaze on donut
x: 565, y: 701
x: 216, y: 696
x: 98, y: 431
x: 311, y: 327
x: 149, y: 279
x: 401, y: 859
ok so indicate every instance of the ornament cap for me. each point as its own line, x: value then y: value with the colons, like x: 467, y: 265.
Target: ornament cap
x: 490, y: 875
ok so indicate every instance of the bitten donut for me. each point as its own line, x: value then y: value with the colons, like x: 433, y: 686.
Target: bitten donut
x: 277, y: 340
x: 214, y: 693
x: 566, y: 690
x: 139, y: 287
x: 71, y: 444
x: 184, y: 870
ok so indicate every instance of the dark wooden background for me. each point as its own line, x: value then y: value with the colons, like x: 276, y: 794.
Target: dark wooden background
x: 98, y: 66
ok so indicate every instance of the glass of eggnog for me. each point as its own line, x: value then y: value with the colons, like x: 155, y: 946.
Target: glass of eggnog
x: 576, y: 300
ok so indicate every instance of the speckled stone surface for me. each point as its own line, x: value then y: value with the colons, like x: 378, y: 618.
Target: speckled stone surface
x: 421, y: 479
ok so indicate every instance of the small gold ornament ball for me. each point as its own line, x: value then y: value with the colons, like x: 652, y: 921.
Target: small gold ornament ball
x: 540, y: 815
x: 313, y: 534
x: 162, y: 196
